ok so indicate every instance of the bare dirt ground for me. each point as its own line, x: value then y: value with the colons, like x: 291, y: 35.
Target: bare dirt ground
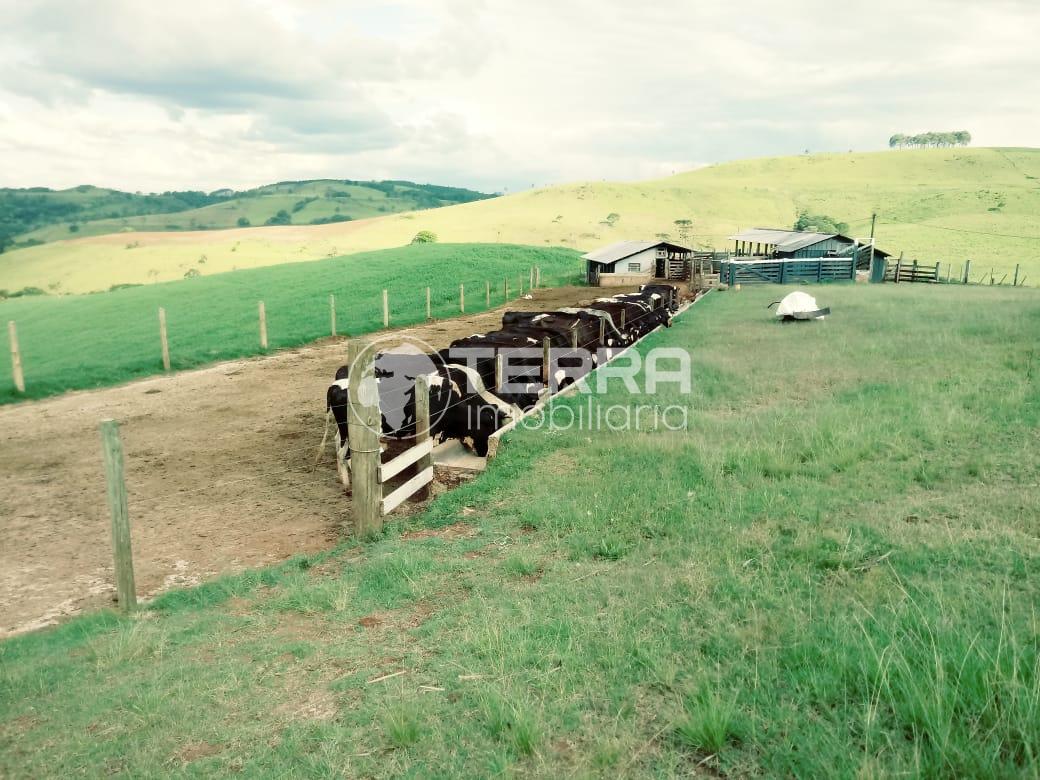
x: 219, y: 467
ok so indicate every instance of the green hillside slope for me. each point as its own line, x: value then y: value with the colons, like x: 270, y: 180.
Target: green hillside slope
x: 945, y: 204
x: 29, y: 216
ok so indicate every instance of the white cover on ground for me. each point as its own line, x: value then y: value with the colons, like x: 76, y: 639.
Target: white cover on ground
x: 795, y: 303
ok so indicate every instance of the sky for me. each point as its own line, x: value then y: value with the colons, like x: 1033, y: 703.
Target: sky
x: 498, y: 96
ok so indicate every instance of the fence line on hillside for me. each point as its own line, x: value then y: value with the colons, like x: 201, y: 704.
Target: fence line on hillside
x: 436, y: 304
x: 910, y: 270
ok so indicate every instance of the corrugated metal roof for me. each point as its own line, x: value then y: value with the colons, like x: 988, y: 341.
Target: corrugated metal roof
x: 783, y: 240
x: 622, y: 249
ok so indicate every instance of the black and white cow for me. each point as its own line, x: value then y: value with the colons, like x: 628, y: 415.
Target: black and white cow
x: 656, y: 311
x: 668, y: 292
x: 522, y: 349
x: 460, y: 405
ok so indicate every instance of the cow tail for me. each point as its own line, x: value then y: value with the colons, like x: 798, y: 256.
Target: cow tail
x: 324, y: 439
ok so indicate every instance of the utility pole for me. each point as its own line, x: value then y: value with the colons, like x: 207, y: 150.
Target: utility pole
x: 873, y: 220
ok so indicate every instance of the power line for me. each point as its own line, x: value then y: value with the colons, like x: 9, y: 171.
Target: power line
x: 964, y: 230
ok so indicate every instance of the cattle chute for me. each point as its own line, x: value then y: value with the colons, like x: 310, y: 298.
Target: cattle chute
x: 467, y: 398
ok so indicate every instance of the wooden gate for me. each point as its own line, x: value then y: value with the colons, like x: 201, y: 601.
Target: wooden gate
x: 901, y: 271
x: 799, y: 271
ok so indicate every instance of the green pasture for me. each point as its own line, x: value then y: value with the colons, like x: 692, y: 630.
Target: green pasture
x: 831, y: 571
x: 84, y: 341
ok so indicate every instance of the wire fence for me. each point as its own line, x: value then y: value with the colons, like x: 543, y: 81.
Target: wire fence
x: 95, y: 341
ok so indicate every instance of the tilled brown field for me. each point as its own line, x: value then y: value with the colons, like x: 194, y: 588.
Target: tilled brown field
x: 220, y: 472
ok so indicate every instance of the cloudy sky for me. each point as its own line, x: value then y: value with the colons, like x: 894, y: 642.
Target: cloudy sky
x: 494, y: 95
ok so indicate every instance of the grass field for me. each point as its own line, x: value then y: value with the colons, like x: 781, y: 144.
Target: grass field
x: 833, y: 572
x: 934, y: 204
x: 75, y: 342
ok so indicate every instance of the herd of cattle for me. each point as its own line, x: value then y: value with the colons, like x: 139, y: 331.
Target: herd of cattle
x: 471, y: 396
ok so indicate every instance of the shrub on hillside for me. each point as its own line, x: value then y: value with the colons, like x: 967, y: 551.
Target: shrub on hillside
x: 243, y: 222
x: 819, y: 223
x: 281, y: 218
x: 425, y: 237
x: 330, y: 219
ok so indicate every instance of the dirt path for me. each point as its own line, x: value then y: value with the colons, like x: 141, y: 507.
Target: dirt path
x: 219, y: 471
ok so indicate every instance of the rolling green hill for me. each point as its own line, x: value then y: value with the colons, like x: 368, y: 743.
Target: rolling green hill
x: 36, y: 215
x: 71, y: 342
x: 945, y: 204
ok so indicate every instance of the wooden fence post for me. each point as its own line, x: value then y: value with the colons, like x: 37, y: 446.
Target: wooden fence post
x: 386, y: 310
x: 530, y: 280
x: 164, y: 342
x: 487, y: 294
x: 967, y: 269
x: 363, y: 427
x: 520, y: 285
x: 16, y: 357
x: 574, y: 336
x: 263, y: 324
x: 537, y: 276
x: 332, y: 314
x: 1014, y: 283
x: 505, y: 290
x: 422, y: 428
x: 498, y: 371
x: 429, y: 316
x: 122, y: 551
x: 899, y: 268
x: 622, y: 325
x: 462, y: 299
x: 546, y: 354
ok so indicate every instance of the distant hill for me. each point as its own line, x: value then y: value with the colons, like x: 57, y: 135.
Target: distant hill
x: 933, y: 204
x: 39, y: 215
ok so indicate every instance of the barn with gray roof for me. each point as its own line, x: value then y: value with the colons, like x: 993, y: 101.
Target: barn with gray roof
x: 636, y: 262
x: 797, y: 244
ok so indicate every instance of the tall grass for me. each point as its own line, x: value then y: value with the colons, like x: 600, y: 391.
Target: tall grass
x: 832, y: 573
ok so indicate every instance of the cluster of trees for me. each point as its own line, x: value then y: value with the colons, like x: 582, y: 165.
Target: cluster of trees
x: 25, y: 210
x: 281, y: 218
x: 956, y: 138
x: 330, y: 219
x: 819, y: 223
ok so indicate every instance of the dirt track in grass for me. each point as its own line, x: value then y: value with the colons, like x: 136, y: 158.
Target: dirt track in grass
x: 220, y: 473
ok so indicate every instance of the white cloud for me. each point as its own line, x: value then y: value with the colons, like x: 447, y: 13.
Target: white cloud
x: 490, y: 93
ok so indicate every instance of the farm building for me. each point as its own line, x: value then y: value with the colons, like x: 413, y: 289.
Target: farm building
x: 636, y: 262
x: 797, y: 244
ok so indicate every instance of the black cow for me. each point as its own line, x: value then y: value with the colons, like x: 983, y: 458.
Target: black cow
x: 581, y: 327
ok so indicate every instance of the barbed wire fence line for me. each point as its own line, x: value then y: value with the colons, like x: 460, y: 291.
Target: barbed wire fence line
x: 270, y: 327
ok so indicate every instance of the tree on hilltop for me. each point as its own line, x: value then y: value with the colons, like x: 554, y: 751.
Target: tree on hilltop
x: 930, y: 139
